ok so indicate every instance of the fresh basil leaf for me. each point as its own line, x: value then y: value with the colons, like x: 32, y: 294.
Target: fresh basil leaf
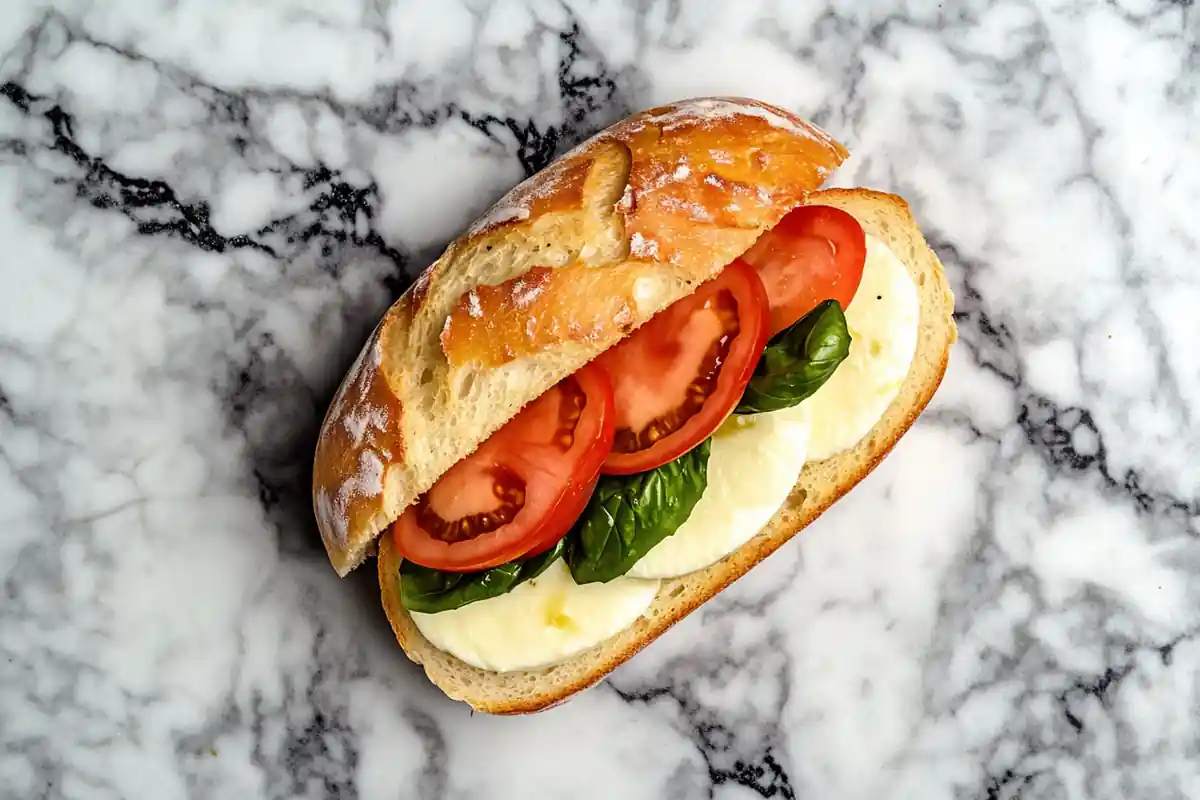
x: 798, y: 360
x: 431, y: 590
x: 629, y: 514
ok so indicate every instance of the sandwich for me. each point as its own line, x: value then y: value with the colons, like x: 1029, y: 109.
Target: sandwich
x: 636, y: 376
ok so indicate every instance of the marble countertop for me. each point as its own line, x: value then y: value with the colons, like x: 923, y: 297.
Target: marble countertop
x: 206, y: 205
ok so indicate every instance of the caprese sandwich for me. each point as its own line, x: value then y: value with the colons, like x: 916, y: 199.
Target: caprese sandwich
x: 635, y: 377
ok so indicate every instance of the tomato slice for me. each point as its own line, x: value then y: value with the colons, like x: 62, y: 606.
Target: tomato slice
x: 523, y: 489
x: 815, y: 253
x: 681, y: 374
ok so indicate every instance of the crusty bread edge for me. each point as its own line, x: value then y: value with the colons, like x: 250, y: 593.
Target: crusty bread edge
x: 591, y: 666
x: 663, y: 199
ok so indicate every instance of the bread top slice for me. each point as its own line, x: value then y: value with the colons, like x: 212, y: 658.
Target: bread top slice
x: 883, y: 216
x: 560, y: 269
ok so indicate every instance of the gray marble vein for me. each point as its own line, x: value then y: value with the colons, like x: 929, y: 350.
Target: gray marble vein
x: 205, y: 207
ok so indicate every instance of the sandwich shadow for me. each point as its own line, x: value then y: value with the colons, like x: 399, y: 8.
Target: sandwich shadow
x: 274, y: 408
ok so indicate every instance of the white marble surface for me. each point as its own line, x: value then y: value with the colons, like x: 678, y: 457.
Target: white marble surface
x: 204, y: 206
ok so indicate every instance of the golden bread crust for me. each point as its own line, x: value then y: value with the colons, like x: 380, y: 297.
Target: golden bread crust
x: 884, y: 216
x: 640, y: 214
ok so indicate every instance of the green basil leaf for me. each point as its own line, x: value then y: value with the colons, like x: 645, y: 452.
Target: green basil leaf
x: 431, y: 590
x: 629, y: 514
x: 798, y: 360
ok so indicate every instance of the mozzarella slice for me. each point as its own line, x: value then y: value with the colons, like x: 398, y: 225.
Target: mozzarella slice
x: 883, y: 319
x: 756, y: 460
x: 539, y: 623
x: 754, y: 464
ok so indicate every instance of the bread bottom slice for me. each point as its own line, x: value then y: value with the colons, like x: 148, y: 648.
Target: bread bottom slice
x: 883, y: 216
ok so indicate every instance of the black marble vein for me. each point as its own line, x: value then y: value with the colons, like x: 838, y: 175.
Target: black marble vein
x: 737, y: 744
x: 434, y: 778
x: 756, y: 768
x: 151, y: 204
x: 157, y: 210
x: 305, y: 744
x: 1050, y: 431
x: 591, y: 99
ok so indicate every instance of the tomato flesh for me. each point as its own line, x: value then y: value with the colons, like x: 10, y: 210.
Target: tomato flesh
x: 523, y: 489
x: 645, y: 402
x: 678, y: 377
x: 815, y: 253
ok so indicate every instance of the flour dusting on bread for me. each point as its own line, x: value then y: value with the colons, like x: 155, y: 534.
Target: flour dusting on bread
x: 473, y: 306
x: 820, y: 484
x: 365, y: 417
x: 367, y: 481
x: 521, y: 202
x: 641, y: 247
x: 704, y: 110
x: 366, y: 425
x: 560, y: 269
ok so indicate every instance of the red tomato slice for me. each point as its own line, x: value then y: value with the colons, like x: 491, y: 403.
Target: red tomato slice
x: 523, y: 489
x: 677, y: 377
x: 814, y: 254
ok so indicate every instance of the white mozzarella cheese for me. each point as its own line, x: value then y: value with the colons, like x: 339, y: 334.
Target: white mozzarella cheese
x: 752, y: 468
x: 757, y: 460
x: 539, y: 623
x: 883, y: 319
